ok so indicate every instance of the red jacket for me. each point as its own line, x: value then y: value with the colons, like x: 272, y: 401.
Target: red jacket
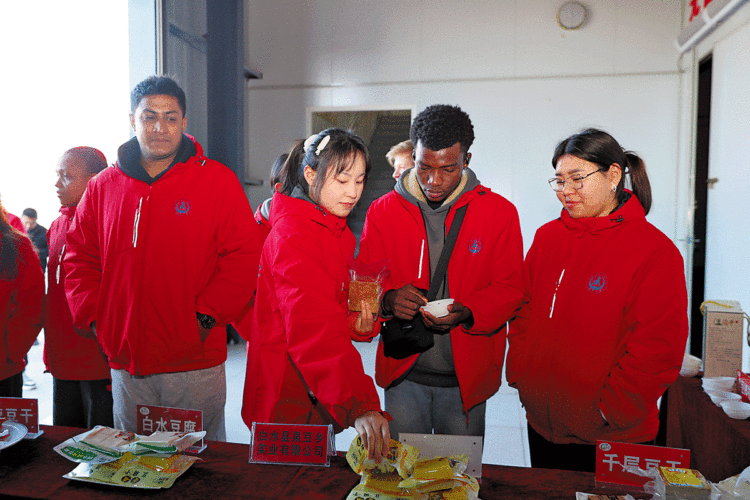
x: 300, y: 339
x: 142, y: 259
x: 20, y: 309
x: 603, y: 327
x: 16, y: 222
x: 67, y: 355
x: 484, y: 274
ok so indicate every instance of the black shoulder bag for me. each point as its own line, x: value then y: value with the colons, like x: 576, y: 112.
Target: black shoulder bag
x: 403, y: 338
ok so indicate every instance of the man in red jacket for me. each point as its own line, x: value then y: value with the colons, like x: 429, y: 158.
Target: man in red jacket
x: 80, y: 373
x: 161, y: 255
x: 444, y: 389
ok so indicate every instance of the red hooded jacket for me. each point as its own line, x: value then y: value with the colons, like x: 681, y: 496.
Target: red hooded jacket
x: 67, y: 355
x: 603, y: 327
x: 484, y: 273
x: 300, y: 340
x: 141, y: 259
x: 20, y: 309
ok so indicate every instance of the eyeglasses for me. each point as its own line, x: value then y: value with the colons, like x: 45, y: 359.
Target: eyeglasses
x: 575, y: 182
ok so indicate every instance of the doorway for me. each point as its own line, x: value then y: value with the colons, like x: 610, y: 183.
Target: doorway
x: 380, y: 129
x: 701, y: 205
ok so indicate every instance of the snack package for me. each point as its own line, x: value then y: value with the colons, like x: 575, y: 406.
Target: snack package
x: 362, y: 492
x: 462, y: 487
x: 440, y: 467
x: 366, y: 283
x: 592, y: 496
x: 401, y: 458
x: 683, y: 484
x: 107, y: 438
x: 164, y: 442
x: 97, y: 446
x: 135, y: 472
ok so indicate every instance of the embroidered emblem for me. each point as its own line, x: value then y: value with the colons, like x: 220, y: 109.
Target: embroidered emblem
x: 475, y: 246
x: 597, y: 283
x: 182, y: 207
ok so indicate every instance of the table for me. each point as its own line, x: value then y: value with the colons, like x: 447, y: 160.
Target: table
x: 32, y: 469
x: 719, y: 446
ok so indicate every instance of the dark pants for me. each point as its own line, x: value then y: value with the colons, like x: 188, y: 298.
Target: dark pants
x: 12, y: 387
x: 82, y: 403
x: 548, y: 455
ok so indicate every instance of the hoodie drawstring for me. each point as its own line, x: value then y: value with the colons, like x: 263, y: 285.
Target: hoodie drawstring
x: 421, y: 257
x: 137, y: 220
x: 554, y: 296
x: 59, y: 265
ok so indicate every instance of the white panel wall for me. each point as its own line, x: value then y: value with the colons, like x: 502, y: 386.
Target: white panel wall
x: 728, y: 229
x: 525, y: 82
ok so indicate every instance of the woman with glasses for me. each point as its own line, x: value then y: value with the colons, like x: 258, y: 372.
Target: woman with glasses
x: 603, y: 327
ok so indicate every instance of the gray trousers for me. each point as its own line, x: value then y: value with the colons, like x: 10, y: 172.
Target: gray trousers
x: 204, y: 390
x: 420, y: 409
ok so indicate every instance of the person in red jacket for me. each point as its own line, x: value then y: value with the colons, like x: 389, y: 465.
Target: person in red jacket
x: 80, y: 374
x: 21, y: 296
x: 16, y: 222
x: 445, y: 389
x: 603, y: 327
x: 162, y: 250
x: 302, y: 367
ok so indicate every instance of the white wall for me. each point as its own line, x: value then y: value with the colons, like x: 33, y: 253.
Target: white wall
x: 525, y: 82
x: 728, y: 229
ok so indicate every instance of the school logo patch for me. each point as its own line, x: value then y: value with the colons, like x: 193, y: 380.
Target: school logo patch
x: 597, y: 283
x: 475, y: 246
x: 182, y: 207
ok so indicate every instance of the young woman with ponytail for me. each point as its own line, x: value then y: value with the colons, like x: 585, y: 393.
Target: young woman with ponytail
x: 301, y: 366
x: 603, y: 327
x: 21, y: 296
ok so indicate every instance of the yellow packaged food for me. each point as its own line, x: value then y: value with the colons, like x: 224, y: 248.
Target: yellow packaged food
x: 362, y: 492
x: 440, y: 467
x: 464, y: 485
x: 401, y: 458
x: 383, y: 482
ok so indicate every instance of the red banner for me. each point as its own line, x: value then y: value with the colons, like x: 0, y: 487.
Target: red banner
x: 612, y: 456
x: 290, y: 444
x: 23, y: 411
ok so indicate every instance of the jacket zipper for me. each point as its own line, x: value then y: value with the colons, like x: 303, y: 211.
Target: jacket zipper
x: 421, y: 257
x: 135, y: 223
x: 554, y: 295
x: 59, y: 265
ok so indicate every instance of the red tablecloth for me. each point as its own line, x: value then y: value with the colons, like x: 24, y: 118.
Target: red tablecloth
x: 719, y: 446
x: 32, y: 469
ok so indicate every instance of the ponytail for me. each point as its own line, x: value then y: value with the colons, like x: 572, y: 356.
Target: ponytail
x: 329, y: 152
x: 638, y: 179
x: 290, y: 174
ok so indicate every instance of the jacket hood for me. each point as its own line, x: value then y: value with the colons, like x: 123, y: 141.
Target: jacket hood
x: 129, y: 158
x: 631, y: 210
x: 291, y: 206
x: 408, y: 187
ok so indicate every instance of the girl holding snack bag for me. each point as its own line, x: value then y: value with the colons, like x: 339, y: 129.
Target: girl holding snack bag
x: 302, y: 367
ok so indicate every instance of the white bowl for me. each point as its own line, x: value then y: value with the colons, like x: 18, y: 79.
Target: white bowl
x: 736, y: 409
x: 690, y: 366
x: 718, y: 396
x: 718, y: 383
x: 438, y: 308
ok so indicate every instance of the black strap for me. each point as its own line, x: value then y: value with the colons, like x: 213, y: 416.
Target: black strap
x: 445, y: 255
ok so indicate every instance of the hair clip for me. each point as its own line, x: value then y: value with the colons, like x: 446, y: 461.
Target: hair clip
x: 321, y: 146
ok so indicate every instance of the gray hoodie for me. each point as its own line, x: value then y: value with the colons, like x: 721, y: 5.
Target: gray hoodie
x: 435, y: 366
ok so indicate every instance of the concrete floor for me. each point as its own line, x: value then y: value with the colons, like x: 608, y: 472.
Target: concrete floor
x: 506, y: 441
